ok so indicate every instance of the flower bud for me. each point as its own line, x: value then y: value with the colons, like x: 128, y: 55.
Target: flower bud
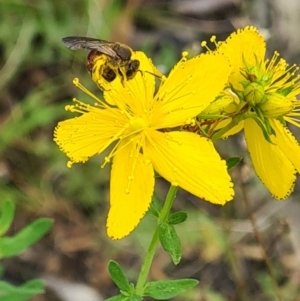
x: 219, y: 106
x: 254, y: 94
x: 276, y: 105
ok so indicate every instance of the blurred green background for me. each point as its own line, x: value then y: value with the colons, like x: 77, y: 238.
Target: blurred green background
x: 220, y: 246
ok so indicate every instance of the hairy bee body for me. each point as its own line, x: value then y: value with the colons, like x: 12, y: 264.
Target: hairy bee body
x: 118, y: 57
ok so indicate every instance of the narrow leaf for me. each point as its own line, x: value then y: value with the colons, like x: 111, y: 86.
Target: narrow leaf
x: 155, y: 207
x: 166, y: 289
x: 11, y: 246
x: 6, y: 216
x: 117, y: 275
x: 9, y: 292
x: 264, y: 129
x: 177, y: 218
x: 119, y: 297
x: 125, y: 298
x: 170, y: 241
x: 233, y: 162
x: 135, y: 298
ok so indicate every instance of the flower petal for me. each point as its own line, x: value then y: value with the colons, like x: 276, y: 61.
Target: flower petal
x: 287, y: 143
x: 131, y: 189
x: 191, y: 86
x: 244, y: 46
x: 89, y: 134
x: 191, y: 162
x: 270, y: 163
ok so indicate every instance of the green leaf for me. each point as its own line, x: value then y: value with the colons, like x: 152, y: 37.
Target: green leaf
x: 11, y: 246
x: 282, y: 121
x: 170, y: 241
x: 7, y: 216
x: 125, y: 298
x: 166, y: 289
x: 117, y: 275
x: 233, y: 162
x: 9, y: 292
x: 119, y: 297
x: 155, y: 206
x: 265, y: 127
x: 177, y: 217
x: 135, y: 298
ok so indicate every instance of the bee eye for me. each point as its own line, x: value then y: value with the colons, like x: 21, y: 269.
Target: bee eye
x: 133, y: 67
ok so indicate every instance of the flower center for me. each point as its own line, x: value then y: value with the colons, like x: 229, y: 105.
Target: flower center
x: 137, y: 124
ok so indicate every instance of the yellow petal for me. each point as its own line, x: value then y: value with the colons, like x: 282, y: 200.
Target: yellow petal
x: 271, y: 165
x: 82, y: 137
x: 191, y: 86
x: 287, y: 143
x: 131, y: 189
x: 245, y: 45
x: 192, y: 163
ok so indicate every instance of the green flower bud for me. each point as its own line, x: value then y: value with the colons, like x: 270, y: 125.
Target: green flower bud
x: 276, y: 105
x: 219, y: 106
x: 254, y: 94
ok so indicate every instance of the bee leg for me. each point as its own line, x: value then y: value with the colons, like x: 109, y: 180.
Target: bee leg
x: 101, y: 87
x: 122, y: 72
x: 99, y: 78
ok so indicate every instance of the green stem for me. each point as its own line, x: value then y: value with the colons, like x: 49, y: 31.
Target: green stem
x: 164, y: 214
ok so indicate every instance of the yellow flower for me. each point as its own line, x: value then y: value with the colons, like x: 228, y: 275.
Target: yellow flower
x: 264, y: 93
x: 141, y: 126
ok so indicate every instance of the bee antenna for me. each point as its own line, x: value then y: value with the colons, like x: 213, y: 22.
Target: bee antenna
x: 158, y: 76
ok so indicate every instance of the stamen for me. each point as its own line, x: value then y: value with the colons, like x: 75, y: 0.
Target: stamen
x: 80, y: 107
x: 213, y: 40
x: 293, y: 121
x: 77, y: 84
x: 270, y: 63
x: 184, y: 56
x: 135, y: 154
x: 204, y: 45
x: 117, y: 136
x: 117, y: 148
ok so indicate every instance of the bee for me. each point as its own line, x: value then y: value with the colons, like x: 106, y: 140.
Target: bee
x: 118, y: 56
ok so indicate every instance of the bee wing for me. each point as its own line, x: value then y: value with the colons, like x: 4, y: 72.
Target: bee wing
x: 75, y: 42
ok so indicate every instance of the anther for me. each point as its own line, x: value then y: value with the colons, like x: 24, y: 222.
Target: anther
x: 184, y: 54
x: 76, y: 82
x: 203, y: 44
x: 69, y: 164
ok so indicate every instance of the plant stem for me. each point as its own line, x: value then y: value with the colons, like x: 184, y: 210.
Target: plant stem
x: 154, y: 241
